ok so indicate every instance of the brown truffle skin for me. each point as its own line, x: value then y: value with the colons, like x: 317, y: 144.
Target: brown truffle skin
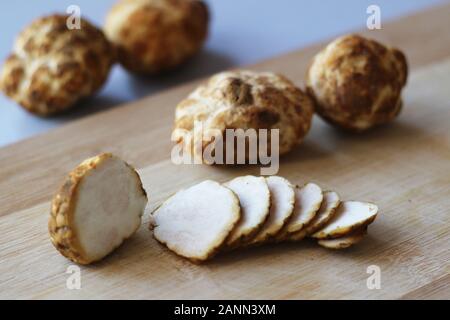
x: 63, y: 234
x: 59, y: 224
x: 356, y: 82
x: 153, y: 36
x: 244, y: 99
x: 52, y: 67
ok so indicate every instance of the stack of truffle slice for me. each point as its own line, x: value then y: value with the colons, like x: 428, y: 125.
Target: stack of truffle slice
x: 210, y: 217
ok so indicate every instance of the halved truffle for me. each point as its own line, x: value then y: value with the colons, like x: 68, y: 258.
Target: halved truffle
x: 99, y: 205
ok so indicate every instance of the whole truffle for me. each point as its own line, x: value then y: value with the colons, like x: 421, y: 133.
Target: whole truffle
x: 357, y: 82
x: 52, y: 67
x: 153, y: 36
x: 247, y: 100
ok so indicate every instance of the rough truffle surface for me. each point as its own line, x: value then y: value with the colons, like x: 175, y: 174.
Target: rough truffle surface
x: 52, y: 67
x: 63, y: 232
x: 153, y: 36
x: 357, y: 82
x: 248, y: 100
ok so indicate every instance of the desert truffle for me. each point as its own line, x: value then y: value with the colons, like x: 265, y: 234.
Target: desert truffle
x: 344, y: 241
x: 254, y: 200
x: 327, y: 210
x: 99, y: 205
x: 244, y: 100
x: 282, y: 198
x: 349, y: 216
x: 208, y: 218
x: 195, y: 222
x: 357, y: 82
x: 153, y: 36
x: 52, y: 67
x: 308, y: 200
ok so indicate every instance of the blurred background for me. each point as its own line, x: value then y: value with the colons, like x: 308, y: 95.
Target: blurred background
x: 242, y: 32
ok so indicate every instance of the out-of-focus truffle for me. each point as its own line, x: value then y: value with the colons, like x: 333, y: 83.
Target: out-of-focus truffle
x: 247, y: 100
x: 357, y: 82
x: 153, y: 36
x: 52, y: 67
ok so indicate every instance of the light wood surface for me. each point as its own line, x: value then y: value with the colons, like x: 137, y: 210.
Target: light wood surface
x: 403, y: 167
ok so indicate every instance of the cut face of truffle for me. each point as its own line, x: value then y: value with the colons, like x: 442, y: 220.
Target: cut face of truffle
x: 195, y: 222
x: 207, y: 218
x: 245, y: 100
x: 357, y: 82
x: 350, y: 215
x: 52, y: 67
x: 153, y: 36
x: 327, y: 210
x: 254, y: 199
x: 282, y: 197
x: 307, y: 202
x: 97, y: 208
x: 344, y: 241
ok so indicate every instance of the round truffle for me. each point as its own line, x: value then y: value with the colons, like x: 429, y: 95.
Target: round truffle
x: 52, y: 67
x: 153, y: 36
x: 356, y: 82
x: 246, y: 100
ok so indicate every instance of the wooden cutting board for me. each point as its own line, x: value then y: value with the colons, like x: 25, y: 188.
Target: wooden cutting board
x: 403, y: 167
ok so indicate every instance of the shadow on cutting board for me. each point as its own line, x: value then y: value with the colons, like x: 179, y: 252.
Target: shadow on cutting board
x: 204, y: 64
x: 143, y: 250
x: 326, y: 141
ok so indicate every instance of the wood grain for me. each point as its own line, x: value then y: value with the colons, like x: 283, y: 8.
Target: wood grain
x: 438, y: 289
x: 139, y: 130
x: 403, y: 167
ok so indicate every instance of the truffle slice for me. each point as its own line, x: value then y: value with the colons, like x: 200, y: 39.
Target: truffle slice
x: 350, y: 216
x: 307, y: 202
x: 345, y: 241
x: 327, y: 210
x: 195, y: 222
x: 282, y: 198
x: 99, y: 206
x: 254, y: 199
